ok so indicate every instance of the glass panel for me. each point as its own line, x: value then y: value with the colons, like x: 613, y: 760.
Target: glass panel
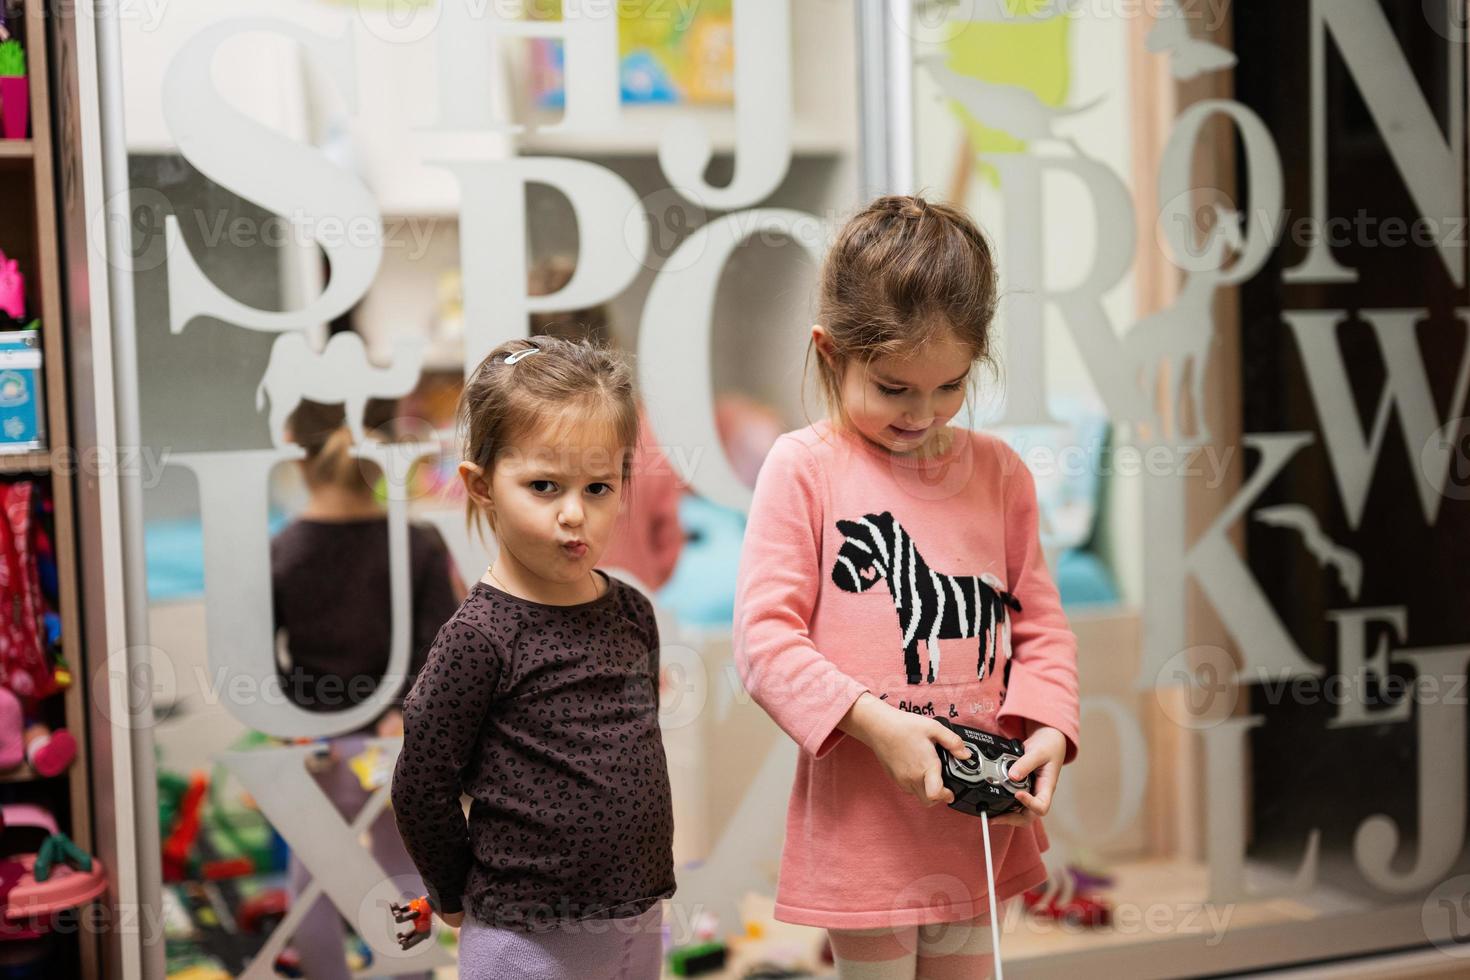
x: 1236, y: 360
x: 337, y: 209
x: 1233, y: 353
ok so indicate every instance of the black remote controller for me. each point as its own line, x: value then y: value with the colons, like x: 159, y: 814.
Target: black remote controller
x: 979, y: 783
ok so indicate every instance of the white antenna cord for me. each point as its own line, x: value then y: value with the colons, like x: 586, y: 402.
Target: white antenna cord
x: 990, y: 876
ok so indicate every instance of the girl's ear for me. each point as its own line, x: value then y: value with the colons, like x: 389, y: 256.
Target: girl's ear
x: 475, y: 484
x: 821, y: 340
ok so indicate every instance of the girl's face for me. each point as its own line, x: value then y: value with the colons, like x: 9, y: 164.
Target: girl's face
x: 554, y: 503
x: 903, y: 404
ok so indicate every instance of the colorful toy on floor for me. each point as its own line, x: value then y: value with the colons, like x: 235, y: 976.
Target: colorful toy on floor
x: 373, y: 767
x: 694, y: 961
x: 1088, y: 880
x: 1060, y: 900
x: 211, y: 833
x: 261, y: 913
x: 201, y: 973
x: 184, y: 831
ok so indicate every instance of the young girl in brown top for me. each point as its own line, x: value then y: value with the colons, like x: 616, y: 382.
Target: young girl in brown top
x: 539, y: 699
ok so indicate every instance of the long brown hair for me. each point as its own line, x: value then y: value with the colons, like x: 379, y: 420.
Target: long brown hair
x: 900, y: 273
x: 568, y: 384
x: 322, y: 431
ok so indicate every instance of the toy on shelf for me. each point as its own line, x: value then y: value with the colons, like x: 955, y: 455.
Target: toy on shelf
x: 55, y: 876
x: 15, y: 91
x: 22, y: 408
x: 12, y: 289
x: 28, y: 670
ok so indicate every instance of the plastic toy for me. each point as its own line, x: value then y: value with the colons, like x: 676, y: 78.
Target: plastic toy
x: 12, y: 288
x: 1078, y: 909
x: 979, y: 783
x: 28, y: 672
x: 416, y: 911
x: 59, y: 847
x: 56, y: 877
x: 982, y: 787
x: 261, y: 913
x: 693, y: 961
x: 373, y: 767
x: 15, y: 91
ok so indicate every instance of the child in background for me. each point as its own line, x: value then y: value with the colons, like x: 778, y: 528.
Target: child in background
x: 330, y: 596
x: 891, y: 576
x: 540, y: 696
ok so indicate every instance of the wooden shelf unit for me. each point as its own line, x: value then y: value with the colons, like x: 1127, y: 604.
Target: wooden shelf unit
x: 30, y: 223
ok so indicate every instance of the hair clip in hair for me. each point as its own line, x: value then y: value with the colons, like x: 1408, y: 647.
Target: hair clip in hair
x: 523, y: 352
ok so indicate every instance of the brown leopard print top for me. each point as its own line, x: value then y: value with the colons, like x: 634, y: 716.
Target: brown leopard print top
x: 547, y: 717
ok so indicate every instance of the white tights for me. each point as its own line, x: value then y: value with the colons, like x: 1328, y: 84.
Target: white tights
x: 948, y: 951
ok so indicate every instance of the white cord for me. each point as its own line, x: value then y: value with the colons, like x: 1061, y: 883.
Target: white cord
x: 990, y: 876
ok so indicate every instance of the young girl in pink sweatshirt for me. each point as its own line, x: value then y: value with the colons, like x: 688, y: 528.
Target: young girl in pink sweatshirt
x: 892, y: 576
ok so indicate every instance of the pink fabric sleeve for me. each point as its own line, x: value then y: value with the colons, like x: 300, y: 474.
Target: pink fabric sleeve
x: 775, y: 592
x: 1043, y: 679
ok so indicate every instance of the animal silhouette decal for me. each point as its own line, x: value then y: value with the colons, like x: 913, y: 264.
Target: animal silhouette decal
x: 340, y: 374
x: 931, y: 605
x: 1183, y: 333
x: 1188, y: 57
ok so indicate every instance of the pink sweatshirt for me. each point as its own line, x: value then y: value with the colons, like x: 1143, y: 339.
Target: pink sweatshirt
x: 853, y: 558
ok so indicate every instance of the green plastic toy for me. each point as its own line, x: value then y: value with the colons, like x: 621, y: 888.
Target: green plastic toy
x: 58, y: 847
x: 12, y: 59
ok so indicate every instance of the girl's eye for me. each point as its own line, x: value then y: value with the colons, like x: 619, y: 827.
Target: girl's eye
x: 537, y: 485
x: 895, y: 392
x: 605, y: 486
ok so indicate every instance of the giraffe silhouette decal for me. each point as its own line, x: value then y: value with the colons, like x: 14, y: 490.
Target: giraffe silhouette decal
x: 930, y: 605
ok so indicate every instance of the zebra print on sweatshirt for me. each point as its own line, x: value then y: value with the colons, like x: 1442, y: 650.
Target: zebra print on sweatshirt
x: 931, y: 606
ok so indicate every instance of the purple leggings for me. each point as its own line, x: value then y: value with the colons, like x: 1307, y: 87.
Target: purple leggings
x: 320, y: 935
x: 594, y: 949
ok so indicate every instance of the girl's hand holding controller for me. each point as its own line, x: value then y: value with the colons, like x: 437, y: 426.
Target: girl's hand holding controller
x: 904, y: 742
x: 1045, y: 749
